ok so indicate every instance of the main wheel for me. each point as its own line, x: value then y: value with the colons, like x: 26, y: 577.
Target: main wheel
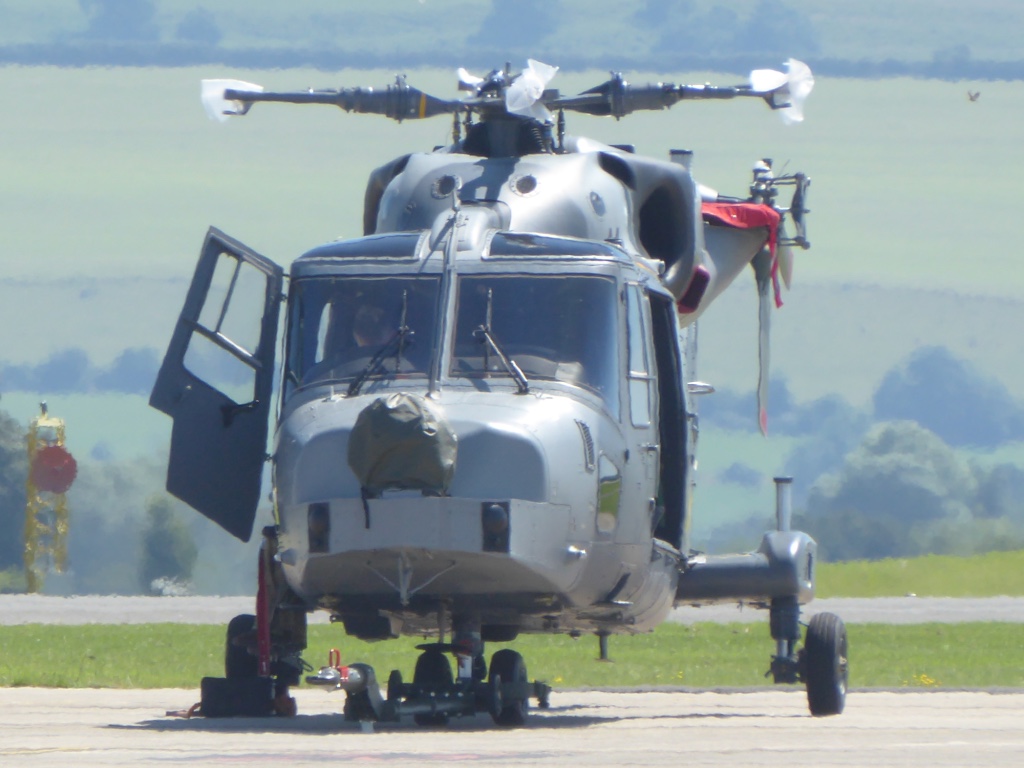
x: 433, y: 671
x: 507, y: 666
x: 238, y: 662
x: 826, y: 667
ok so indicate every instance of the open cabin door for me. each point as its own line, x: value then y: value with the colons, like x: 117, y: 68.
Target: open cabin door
x: 215, y: 383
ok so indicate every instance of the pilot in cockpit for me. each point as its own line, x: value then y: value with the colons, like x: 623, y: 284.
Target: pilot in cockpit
x: 369, y: 327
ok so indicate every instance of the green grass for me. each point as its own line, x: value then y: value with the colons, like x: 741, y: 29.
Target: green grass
x: 702, y: 655
x: 992, y: 574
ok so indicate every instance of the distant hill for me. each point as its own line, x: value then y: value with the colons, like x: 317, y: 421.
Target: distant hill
x: 868, y: 38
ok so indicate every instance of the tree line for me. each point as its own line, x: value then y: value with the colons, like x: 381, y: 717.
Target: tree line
x: 895, y: 479
x: 126, y: 535
x: 680, y: 36
x: 890, y: 480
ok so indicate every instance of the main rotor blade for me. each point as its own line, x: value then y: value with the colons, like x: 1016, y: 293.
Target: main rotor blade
x: 784, y: 91
x: 224, y: 98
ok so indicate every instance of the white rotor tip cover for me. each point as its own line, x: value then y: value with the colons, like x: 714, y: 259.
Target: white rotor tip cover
x: 217, y: 107
x: 546, y: 72
x: 468, y: 81
x: 800, y: 82
x: 793, y: 87
x: 522, y: 97
x: 767, y: 79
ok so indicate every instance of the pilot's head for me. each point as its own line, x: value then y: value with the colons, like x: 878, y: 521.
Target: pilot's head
x: 369, y: 328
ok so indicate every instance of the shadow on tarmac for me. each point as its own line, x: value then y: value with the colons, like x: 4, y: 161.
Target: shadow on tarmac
x: 554, y: 718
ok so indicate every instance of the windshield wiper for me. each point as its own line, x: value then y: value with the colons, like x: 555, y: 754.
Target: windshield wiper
x: 376, y: 366
x: 483, y: 334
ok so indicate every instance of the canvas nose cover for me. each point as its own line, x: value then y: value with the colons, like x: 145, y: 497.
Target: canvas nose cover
x: 401, y: 441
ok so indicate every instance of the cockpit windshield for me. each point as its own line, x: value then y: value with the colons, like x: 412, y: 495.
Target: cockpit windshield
x: 357, y: 329
x: 553, y: 328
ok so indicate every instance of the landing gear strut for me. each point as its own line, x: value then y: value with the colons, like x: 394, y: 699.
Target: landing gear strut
x: 822, y: 663
x: 261, y: 651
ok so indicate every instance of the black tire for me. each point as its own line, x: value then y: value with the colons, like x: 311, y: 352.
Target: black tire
x: 433, y: 673
x: 508, y: 666
x: 826, y: 666
x: 238, y: 662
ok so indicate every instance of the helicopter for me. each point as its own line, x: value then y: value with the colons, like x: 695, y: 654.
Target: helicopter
x: 486, y: 422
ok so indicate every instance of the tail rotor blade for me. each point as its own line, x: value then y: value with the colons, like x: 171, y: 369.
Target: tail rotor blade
x: 762, y: 273
x: 785, y: 257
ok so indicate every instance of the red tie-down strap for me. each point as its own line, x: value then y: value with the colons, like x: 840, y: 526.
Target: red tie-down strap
x: 748, y: 216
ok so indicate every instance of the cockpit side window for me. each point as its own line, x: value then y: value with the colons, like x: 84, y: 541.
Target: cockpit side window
x: 555, y: 328
x: 326, y: 321
x: 339, y: 324
x: 640, y: 373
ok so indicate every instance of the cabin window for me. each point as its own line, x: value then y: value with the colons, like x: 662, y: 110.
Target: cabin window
x: 344, y: 327
x: 560, y: 328
x: 640, y: 379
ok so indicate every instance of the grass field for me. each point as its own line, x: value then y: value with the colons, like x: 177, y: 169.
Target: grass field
x: 702, y: 655
x: 989, y: 575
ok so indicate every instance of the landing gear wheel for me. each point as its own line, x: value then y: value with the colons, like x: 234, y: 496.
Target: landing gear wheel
x: 238, y: 662
x: 508, y: 666
x: 826, y: 668
x: 433, y: 671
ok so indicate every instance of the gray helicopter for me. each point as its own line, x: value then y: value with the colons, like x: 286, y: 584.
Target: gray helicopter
x: 486, y: 422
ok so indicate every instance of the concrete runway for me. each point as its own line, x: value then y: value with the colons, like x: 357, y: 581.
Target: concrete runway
x: 43, y: 727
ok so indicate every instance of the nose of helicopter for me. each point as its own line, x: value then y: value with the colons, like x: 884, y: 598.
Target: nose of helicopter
x: 400, y: 441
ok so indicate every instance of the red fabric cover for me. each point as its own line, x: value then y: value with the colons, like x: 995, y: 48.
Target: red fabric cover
x: 745, y: 216
x: 748, y: 216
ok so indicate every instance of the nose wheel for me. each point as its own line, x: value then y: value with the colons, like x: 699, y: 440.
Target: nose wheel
x: 825, y: 664
x: 435, y: 695
x: 431, y: 678
x: 510, y: 704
